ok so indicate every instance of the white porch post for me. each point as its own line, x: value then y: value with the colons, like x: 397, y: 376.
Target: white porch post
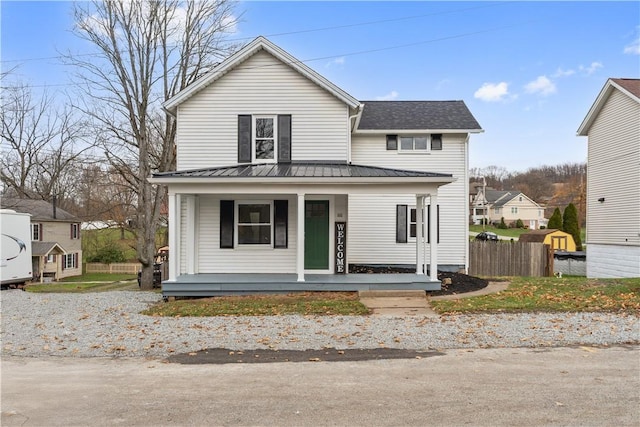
x: 433, y: 243
x: 300, y: 242
x: 174, y: 238
x: 419, y: 233
x: 190, y: 250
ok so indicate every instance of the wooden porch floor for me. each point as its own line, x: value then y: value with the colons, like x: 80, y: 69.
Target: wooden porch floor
x: 234, y: 284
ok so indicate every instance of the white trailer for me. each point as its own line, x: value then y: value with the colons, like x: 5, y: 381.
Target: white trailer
x: 15, y: 258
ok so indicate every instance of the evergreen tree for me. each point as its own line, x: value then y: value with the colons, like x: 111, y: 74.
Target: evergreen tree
x: 555, y: 222
x: 571, y: 225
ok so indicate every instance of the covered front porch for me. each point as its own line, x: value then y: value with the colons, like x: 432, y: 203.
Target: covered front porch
x: 198, y: 285
x: 253, y: 228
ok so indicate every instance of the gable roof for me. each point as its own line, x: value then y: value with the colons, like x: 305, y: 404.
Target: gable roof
x: 40, y: 210
x: 432, y: 116
x: 46, y: 248
x: 498, y: 198
x: 630, y: 87
x: 258, y: 44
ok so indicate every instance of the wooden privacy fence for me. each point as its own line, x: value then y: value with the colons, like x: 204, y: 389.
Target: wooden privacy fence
x: 120, y: 268
x: 510, y: 259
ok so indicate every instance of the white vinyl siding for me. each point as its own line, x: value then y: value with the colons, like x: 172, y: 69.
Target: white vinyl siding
x: 372, y: 235
x: 262, y: 85
x: 242, y: 259
x: 614, y: 174
x: 613, y: 261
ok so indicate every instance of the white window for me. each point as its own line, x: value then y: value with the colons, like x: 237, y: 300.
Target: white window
x: 50, y: 258
x: 412, y: 223
x: 69, y: 261
x: 264, y: 138
x: 414, y: 143
x: 254, y: 223
x: 514, y: 209
x: 75, y: 231
x: 36, y: 233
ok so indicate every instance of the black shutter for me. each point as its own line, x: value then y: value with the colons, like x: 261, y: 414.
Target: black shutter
x: 226, y: 223
x: 281, y: 222
x: 284, y: 139
x: 436, y: 141
x: 244, y: 139
x: 392, y: 142
x: 401, y: 223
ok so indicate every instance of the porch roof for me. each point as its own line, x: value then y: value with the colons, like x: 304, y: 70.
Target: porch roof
x: 298, y: 170
x: 46, y: 248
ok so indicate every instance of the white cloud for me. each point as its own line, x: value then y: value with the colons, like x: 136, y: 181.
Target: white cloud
x: 336, y: 61
x: 492, y: 92
x: 542, y: 85
x: 388, y: 97
x: 591, y: 68
x: 563, y: 73
x: 633, y: 48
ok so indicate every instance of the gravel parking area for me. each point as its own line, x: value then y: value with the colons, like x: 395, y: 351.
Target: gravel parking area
x: 108, y: 324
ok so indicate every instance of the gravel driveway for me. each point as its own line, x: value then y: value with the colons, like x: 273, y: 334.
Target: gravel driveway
x: 109, y: 324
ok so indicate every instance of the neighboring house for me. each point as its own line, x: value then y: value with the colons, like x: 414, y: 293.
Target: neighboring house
x: 510, y: 205
x: 283, y: 180
x: 612, y: 126
x: 557, y: 239
x: 55, y: 239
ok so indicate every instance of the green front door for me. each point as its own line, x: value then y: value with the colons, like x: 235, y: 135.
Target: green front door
x: 316, y: 235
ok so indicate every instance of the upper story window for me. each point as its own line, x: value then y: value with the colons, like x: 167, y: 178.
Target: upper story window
x: 414, y: 143
x: 264, y: 141
x: 514, y: 209
x: 75, y: 231
x: 36, y: 232
x: 264, y: 138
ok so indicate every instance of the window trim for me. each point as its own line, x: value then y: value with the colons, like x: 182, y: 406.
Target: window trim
x: 66, y: 265
x: 414, y: 150
x: 254, y: 137
x: 237, y: 224
x: 75, y: 231
x: 35, y: 227
x: 413, y: 208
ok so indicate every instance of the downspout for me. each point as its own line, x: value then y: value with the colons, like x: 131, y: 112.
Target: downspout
x: 351, y: 129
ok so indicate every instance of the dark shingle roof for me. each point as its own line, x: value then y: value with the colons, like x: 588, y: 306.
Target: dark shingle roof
x: 500, y: 198
x: 632, y: 85
x: 40, y: 210
x: 299, y: 170
x: 409, y: 115
x: 46, y: 248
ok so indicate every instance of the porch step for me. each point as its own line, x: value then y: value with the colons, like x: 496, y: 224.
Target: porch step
x: 397, y: 303
x: 411, y: 293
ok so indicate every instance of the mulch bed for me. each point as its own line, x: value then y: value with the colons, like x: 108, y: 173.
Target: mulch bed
x: 460, y: 283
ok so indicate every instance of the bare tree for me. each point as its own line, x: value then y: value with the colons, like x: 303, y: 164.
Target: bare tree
x: 42, y: 144
x: 146, y: 51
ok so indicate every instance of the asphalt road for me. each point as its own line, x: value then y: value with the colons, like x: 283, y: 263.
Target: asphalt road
x: 484, y: 387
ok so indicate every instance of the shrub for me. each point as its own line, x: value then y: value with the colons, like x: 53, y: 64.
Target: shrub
x: 519, y: 223
x: 555, y: 222
x: 109, y: 253
x: 502, y: 225
x: 571, y: 225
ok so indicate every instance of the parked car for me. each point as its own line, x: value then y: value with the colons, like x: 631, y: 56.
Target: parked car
x: 487, y: 236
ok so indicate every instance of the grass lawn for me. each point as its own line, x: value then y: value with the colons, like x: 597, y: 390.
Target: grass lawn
x: 550, y: 294
x: 307, y: 303
x: 82, y: 287
x: 508, y: 232
x: 85, y: 283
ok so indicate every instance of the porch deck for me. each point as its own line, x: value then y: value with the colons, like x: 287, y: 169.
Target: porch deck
x: 236, y: 284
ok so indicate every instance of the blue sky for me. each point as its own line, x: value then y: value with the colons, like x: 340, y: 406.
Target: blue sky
x: 528, y: 71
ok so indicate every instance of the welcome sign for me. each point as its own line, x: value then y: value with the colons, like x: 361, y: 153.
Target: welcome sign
x: 341, y: 247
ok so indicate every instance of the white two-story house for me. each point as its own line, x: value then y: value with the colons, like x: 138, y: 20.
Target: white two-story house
x: 284, y: 180
x: 612, y: 128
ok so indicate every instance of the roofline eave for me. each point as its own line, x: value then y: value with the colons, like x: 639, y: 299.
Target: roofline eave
x: 308, y: 181
x: 413, y: 131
